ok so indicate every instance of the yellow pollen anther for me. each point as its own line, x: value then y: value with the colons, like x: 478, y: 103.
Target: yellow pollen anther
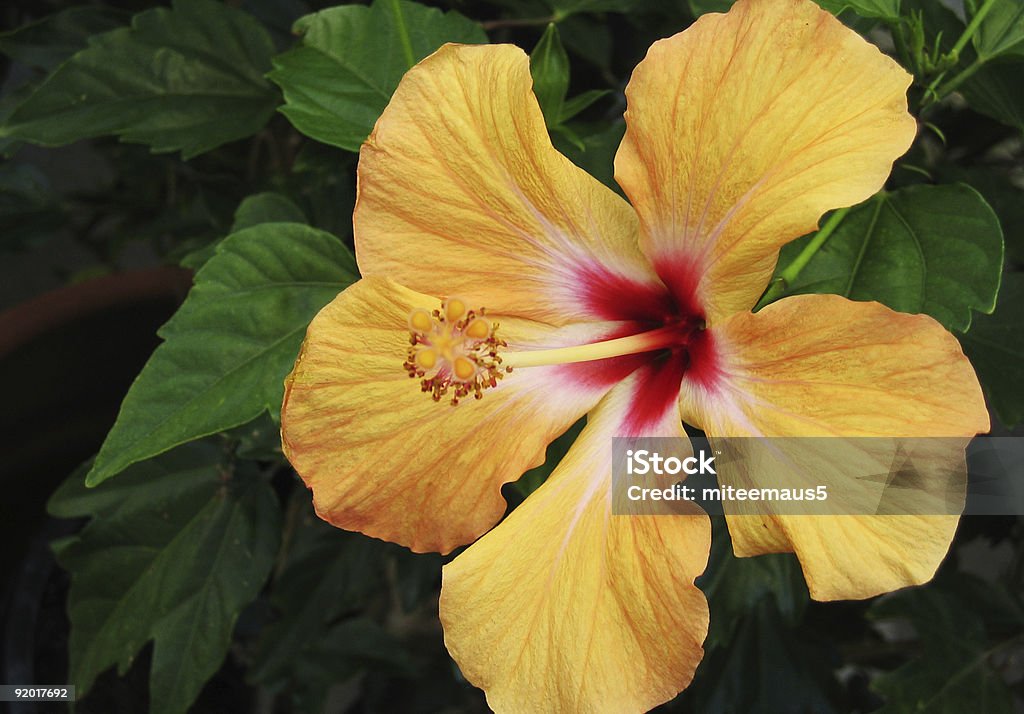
x: 464, y: 368
x: 420, y: 320
x: 479, y: 329
x: 454, y: 309
x: 455, y: 350
x: 426, y: 358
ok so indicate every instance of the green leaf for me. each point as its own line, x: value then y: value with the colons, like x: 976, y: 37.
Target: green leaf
x: 995, y: 346
x: 341, y: 652
x: 328, y: 576
x: 338, y: 81
x: 758, y: 659
x: 995, y: 90
x: 230, y: 346
x: 564, y: 8
x: 175, y: 549
x: 1001, y: 31
x: 873, y: 9
x: 996, y: 186
x: 9, y: 101
x: 931, y: 249
x: 30, y: 210
x: 360, y: 643
x: 949, y: 680
x: 580, y: 102
x: 733, y: 586
x: 549, y: 65
x: 327, y: 573
x: 701, y: 7
x: 588, y: 38
x: 188, y: 78
x: 767, y: 667
x: 878, y: 9
x: 47, y: 42
x: 999, y: 608
x: 954, y: 673
x: 258, y: 440
x: 266, y: 207
x: 598, y: 153
x: 565, y: 133
x: 323, y: 178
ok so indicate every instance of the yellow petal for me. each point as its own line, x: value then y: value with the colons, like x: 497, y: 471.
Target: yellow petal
x: 743, y: 130
x: 822, y: 365
x: 565, y: 607
x: 461, y: 193
x: 381, y: 456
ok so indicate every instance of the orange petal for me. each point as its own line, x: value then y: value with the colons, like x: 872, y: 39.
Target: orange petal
x: 381, y: 456
x: 566, y: 607
x: 462, y: 193
x: 743, y: 130
x: 822, y: 365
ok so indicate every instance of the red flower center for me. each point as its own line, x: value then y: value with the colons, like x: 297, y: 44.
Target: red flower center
x: 645, y: 307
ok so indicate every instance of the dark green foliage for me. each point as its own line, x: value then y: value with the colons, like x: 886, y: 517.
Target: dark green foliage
x: 931, y: 249
x: 175, y: 549
x: 996, y: 91
x: 1002, y: 30
x: 49, y: 41
x: 995, y: 345
x: 239, y: 332
x: 549, y: 65
x: 186, y: 79
x: 29, y: 208
x: 955, y: 620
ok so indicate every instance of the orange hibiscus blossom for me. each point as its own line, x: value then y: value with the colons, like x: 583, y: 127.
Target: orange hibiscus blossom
x: 742, y: 132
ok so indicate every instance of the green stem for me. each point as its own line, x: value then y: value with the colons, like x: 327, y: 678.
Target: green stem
x: 959, y: 79
x: 933, y: 94
x: 792, y: 271
x: 973, y: 26
x: 929, y: 93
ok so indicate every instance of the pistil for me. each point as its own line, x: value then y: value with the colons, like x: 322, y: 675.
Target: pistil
x: 650, y: 341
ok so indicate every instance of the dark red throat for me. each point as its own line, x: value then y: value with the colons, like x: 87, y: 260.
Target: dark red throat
x: 644, y: 307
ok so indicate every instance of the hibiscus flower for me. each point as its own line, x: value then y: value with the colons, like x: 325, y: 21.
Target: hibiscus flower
x: 506, y: 293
